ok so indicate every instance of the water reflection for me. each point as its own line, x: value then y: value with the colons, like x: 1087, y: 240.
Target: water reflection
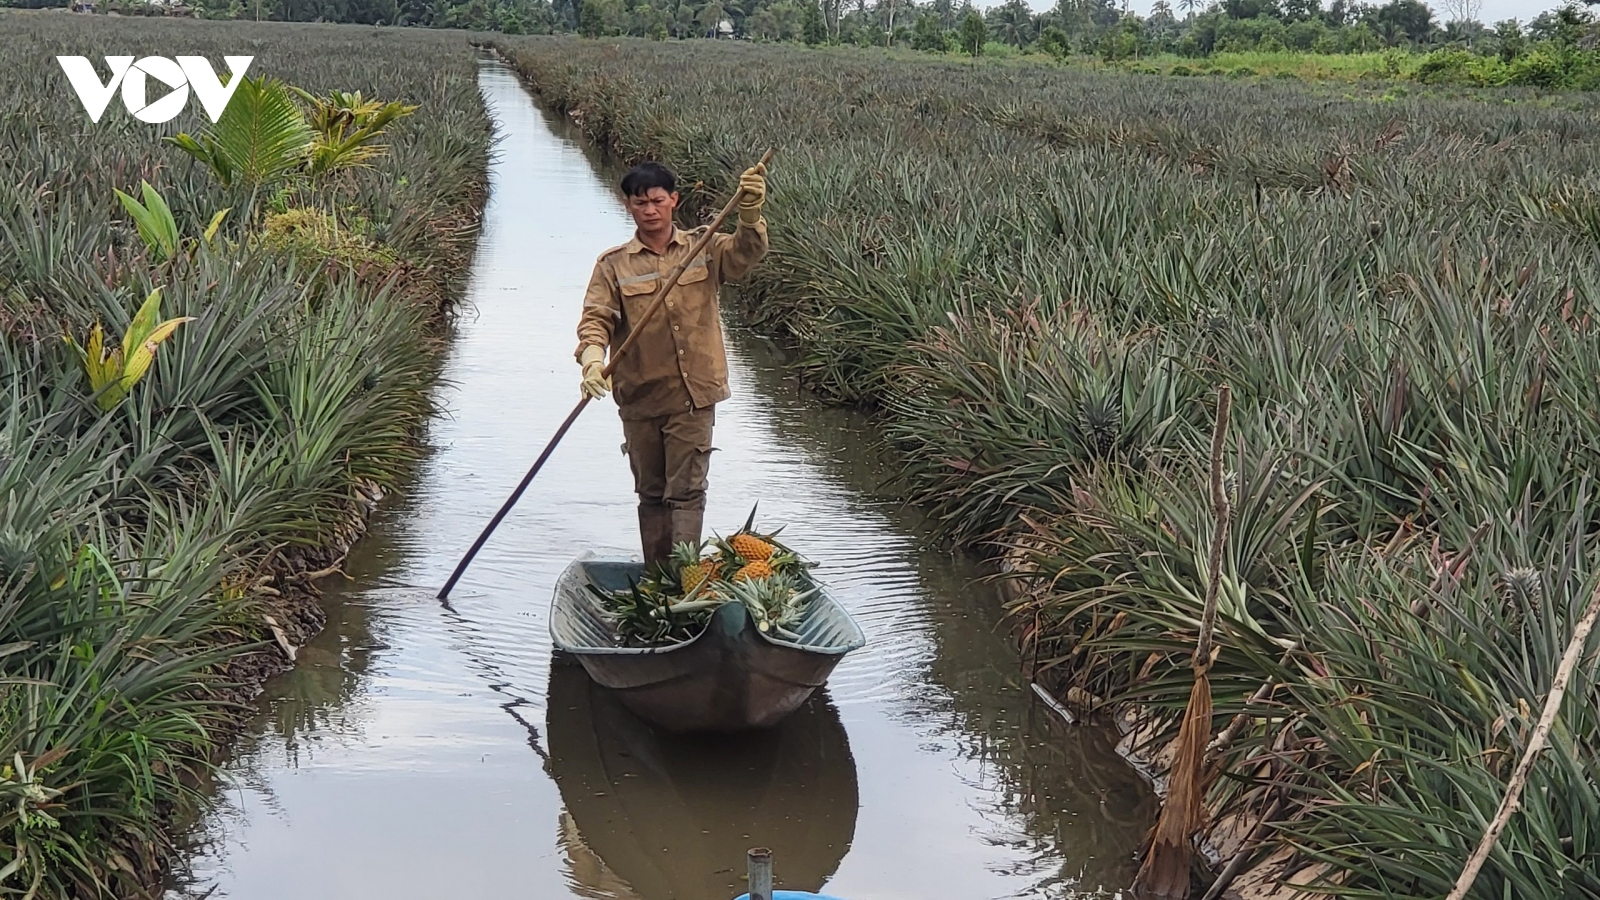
x: 669, y: 817
x: 313, y: 700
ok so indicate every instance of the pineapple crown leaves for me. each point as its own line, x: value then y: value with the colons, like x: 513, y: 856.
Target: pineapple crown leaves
x: 749, y: 526
x: 775, y: 603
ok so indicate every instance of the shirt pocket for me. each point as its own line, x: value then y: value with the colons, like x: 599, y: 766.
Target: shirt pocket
x: 697, y: 271
x: 637, y: 291
x: 696, y: 292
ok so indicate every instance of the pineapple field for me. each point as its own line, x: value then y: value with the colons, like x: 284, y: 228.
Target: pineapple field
x: 1037, y: 278
x: 215, y: 356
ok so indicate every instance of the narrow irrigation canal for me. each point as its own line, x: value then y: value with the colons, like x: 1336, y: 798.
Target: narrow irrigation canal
x: 426, y: 751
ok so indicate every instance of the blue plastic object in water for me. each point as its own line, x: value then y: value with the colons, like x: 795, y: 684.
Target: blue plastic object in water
x: 793, y: 895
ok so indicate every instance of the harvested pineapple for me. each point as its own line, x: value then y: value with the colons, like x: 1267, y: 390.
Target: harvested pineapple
x: 672, y: 603
x: 754, y: 570
x: 751, y: 547
x: 776, y: 603
x: 692, y: 570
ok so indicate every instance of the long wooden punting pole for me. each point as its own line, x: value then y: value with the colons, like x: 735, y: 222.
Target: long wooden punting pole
x: 635, y: 329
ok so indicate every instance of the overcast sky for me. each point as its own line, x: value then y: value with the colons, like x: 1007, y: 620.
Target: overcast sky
x: 1493, y: 10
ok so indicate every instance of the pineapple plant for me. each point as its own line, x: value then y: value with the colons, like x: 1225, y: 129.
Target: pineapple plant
x: 1521, y: 589
x: 1100, y: 422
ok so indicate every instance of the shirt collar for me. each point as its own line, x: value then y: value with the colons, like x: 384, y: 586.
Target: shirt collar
x: 637, y: 246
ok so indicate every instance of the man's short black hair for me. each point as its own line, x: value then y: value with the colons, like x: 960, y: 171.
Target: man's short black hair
x: 641, y: 178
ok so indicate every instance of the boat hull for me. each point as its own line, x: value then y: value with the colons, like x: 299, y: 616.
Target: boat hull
x: 730, y: 677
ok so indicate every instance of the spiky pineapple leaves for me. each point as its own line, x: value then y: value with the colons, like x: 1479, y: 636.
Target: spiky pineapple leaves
x: 157, y: 226
x: 644, y: 614
x: 114, y: 372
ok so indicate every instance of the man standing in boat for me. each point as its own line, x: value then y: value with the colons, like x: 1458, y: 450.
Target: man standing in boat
x: 668, y: 384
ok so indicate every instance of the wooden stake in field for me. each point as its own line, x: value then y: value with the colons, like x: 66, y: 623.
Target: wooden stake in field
x: 1536, y: 741
x: 1164, y: 874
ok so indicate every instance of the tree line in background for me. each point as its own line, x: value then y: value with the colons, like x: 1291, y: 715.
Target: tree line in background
x: 1555, y: 49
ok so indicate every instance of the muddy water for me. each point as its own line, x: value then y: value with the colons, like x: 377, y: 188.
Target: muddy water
x: 422, y: 751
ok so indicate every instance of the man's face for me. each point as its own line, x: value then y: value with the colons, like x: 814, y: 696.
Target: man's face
x: 652, y: 211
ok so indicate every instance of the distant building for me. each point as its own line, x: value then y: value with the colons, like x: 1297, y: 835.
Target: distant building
x: 83, y: 6
x: 725, y: 29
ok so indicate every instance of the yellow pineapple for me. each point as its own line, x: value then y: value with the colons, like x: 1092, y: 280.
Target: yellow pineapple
x: 750, y: 547
x: 691, y: 569
x: 704, y: 570
x: 752, y: 570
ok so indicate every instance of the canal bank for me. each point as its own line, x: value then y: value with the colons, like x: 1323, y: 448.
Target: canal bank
x: 422, y: 749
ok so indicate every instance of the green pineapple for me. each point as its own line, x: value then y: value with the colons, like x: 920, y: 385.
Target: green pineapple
x: 1100, y: 423
x: 1521, y: 589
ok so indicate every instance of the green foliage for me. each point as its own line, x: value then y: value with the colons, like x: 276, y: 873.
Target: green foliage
x: 973, y: 33
x: 814, y: 28
x: 264, y: 138
x: 153, y: 218
x: 1054, y: 41
x: 143, y: 506
x: 316, y: 236
x: 113, y: 371
x: 1309, y: 36
x: 157, y: 226
x: 346, y: 127
x: 1036, y: 275
x: 591, y: 18
x: 1544, y: 68
x: 261, y: 138
x: 929, y: 35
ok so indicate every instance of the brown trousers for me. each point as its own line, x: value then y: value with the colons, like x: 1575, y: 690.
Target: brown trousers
x: 671, y: 457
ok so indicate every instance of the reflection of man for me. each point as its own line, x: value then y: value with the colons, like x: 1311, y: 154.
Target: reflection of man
x: 670, y: 381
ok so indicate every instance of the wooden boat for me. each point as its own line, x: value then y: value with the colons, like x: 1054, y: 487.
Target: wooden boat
x: 649, y: 815
x: 729, y: 677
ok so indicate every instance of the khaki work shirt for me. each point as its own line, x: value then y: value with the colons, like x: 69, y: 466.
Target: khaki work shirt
x: 679, y: 362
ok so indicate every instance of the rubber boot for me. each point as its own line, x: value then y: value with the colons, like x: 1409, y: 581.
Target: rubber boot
x: 686, y: 526
x: 655, y: 533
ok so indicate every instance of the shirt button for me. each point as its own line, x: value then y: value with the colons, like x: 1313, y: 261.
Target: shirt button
x: 669, y: 304
x: 674, y: 328
x: 688, y: 403
x: 680, y: 352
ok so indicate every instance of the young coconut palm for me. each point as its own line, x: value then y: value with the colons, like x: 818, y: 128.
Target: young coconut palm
x: 347, y: 127
x: 260, y: 139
